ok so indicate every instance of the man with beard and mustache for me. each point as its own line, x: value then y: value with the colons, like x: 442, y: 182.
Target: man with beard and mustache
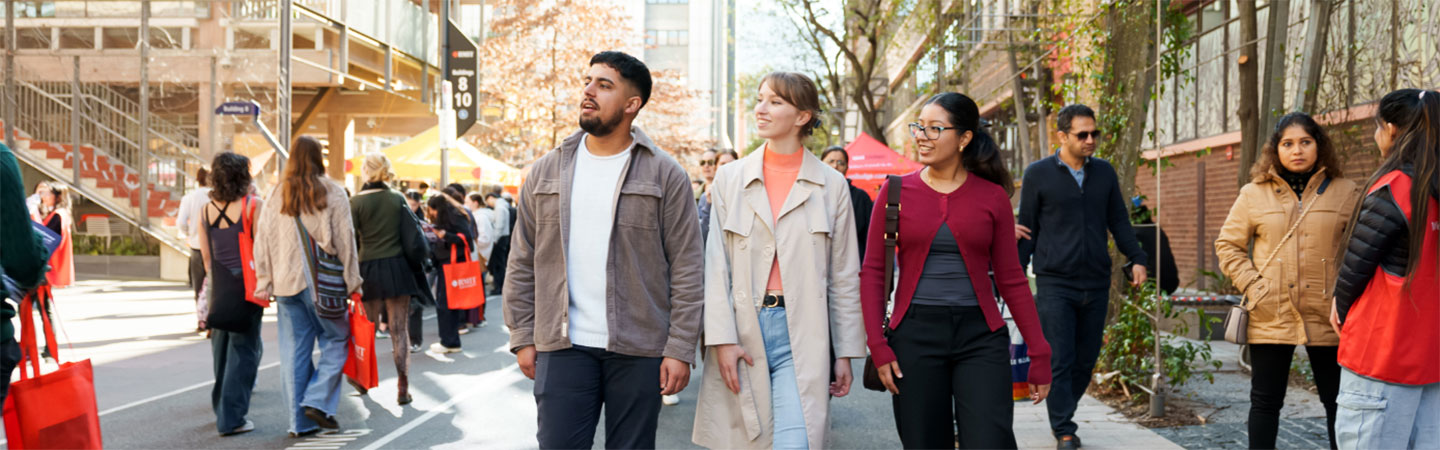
x: 603, y: 296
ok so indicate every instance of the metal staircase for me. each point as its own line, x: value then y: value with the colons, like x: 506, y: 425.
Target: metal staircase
x: 52, y: 116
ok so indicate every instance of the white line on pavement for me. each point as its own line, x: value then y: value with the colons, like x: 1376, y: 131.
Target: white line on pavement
x: 173, y: 393
x: 480, y: 386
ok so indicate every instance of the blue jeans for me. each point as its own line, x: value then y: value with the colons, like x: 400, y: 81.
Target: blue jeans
x: 784, y: 389
x: 237, y: 359
x: 315, y: 384
x: 1074, y: 323
x: 1376, y: 414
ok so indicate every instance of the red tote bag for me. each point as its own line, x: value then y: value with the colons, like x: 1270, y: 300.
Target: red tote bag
x: 360, y: 364
x: 464, y: 283
x: 247, y: 254
x: 54, y: 410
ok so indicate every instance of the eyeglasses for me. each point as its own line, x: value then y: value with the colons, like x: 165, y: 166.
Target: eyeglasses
x: 930, y: 132
x: 1086, y: 135
x: 707, y: 162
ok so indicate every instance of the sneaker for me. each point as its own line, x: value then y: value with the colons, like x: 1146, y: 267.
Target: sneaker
x: 670, y: 400
x: 356, y: 384
x: 1067, y: 442
x: 481, y: 324
x: 311, y: 432
x: 381, y: 334
x: 245, y: 428
x: 441, y: 349
x: 415, y: 348
x: 321, y: 419
x: 464, y: 330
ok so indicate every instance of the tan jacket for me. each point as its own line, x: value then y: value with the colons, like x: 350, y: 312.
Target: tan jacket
x: 820, y: 269
x: 654, y: 279
x: 1290, y: 302
x: 280, y: 263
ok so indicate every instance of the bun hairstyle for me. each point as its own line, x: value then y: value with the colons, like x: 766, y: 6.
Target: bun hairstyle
x: 799, y: 91
x: 981, y: 156
x: 377, y: 169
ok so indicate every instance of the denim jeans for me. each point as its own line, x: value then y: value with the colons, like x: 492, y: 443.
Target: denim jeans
x: 237, y: 359
x: 315, y: 384
x: 784, y: 389
x: 1376, y: 414
x: 1074, y: 322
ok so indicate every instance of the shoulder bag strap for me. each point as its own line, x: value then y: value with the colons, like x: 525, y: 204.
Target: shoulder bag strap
x: 892, y: 234
x: 1276, y: 251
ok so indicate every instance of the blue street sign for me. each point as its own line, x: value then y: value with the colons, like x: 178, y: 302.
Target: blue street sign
x: 247, y: 108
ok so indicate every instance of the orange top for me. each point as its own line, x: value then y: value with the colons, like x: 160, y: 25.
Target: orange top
x: 780, y: 174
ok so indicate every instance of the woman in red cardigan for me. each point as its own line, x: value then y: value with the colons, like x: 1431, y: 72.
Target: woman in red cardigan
x: 947, y: 353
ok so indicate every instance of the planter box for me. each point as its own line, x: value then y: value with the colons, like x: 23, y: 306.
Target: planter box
x: 107, y: 266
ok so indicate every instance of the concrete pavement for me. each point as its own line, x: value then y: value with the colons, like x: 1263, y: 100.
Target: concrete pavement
x: 153, y: 377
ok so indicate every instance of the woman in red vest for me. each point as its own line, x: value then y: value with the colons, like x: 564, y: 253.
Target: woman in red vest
x: 1387, y: 295
x: 54, y: 213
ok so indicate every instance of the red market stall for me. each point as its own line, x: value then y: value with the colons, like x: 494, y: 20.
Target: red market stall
x: 871, y: 161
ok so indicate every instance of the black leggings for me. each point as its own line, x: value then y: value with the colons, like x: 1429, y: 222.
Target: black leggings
x: 1270, y: 365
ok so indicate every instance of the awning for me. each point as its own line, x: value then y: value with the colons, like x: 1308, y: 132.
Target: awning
x: 419, y: 159
x: 871, y: 162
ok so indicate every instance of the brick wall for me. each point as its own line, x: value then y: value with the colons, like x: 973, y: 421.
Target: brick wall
x: 1199, y: 188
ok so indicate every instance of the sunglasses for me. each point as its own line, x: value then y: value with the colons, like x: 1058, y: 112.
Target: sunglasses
x: 707, y: 162
x: 1086, y: 135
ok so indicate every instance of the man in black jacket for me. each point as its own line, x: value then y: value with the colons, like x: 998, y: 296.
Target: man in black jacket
x: 860, y: 203
x: 1068, y: 202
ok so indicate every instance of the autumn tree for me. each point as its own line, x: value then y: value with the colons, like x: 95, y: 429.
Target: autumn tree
x: 535, y: 61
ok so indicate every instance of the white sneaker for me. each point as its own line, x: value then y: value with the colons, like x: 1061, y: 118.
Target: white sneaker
x: 670, y: 400
x: 437, y: 348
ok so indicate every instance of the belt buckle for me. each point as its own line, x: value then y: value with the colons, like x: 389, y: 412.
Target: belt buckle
x: 771, y: 301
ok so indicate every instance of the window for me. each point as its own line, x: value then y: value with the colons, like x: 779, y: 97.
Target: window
x: 667, y: 38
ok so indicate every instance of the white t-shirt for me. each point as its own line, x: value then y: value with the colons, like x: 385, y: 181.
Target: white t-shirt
x: 592, y: 203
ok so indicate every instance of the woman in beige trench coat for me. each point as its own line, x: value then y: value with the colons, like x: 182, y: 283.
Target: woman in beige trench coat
x: 781, y: 286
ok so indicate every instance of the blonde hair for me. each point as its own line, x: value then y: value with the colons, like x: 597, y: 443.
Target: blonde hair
x: 377, y: 169
x: 798, y: 90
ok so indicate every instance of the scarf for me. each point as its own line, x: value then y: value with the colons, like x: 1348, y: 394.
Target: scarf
x: 1297, y: 181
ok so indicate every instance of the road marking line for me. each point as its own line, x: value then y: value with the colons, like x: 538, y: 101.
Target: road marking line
x: 171, y: 393
x: 480, y: 386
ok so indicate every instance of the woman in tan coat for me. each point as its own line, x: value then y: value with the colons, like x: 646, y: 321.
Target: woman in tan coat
x: 781, y: 286
x: 1297, y: 178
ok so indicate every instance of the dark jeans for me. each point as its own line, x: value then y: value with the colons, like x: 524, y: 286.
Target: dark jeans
x: 1074, y: 323
x: 9, y: 358
x: 572, y: 385
x: 957, y: 371
x: 447, y: 321
x: 237, y: 359
x: 1270, y: 373
x: 417, y: 323
x: 499, y: 260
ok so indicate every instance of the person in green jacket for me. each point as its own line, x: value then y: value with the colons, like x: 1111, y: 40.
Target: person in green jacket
x: 23, y: 260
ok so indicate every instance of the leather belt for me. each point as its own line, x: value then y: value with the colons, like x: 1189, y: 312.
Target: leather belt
x: 773, y: 301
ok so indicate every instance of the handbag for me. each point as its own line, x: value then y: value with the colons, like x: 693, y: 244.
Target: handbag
x: 328, y: 275
x: 871, y: 378
x: 464, y: 282
x: 360, y: 363
x: 52, y: 410
x: 1019, y: 353
x: 1237, y: 319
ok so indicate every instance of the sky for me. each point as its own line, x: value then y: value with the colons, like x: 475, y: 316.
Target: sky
x: 765, y: 37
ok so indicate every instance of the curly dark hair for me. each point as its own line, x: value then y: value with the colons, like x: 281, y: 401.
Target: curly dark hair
x: 1325, y: 153
x: 229, y: 177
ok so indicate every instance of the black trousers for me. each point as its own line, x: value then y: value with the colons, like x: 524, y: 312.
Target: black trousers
x: 572, y: 385
x: 9, y: 358
x: 1270, y: 367
x: 956, y: 371
x: 447, y: 321
x: 499, y: 261
x: 417, y: 322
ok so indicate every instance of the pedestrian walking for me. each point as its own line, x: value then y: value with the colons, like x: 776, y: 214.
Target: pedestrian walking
x: 783, y: 267
x: 453, y: 230
x: 860, y: 203
x: 306, y: 257
x: 469, y: 318
x: 485, y: 235
x: 603, y: 296
x: 505, y: 217
x: 1279, y: 245
x: 54, y: 213
x: 380, y: 216
x: 187, y: 220
x: 1387, y: 293
x: 702, y: 200
x: 944, y: 351
x: 237, y: 350
x: 22, y: 261
x: 1068, y: 201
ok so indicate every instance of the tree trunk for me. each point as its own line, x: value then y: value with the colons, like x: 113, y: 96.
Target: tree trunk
x: 1129, y: 50
x: 1249, y: 91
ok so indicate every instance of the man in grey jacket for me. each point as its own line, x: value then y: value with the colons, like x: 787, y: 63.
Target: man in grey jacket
x: 603, y: 294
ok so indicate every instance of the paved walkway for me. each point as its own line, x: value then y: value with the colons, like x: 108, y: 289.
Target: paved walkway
x: 1101, y: 427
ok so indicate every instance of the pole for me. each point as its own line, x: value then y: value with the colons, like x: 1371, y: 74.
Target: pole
x: 1157, y: 394
x: 75, y: 125
x: 445, y: 75
x: 282, y: 97
x: 144, y: 165
x: 10, y: 74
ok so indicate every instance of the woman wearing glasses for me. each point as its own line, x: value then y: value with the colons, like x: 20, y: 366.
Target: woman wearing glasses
x: 946, y: 356
x: 782, y: 263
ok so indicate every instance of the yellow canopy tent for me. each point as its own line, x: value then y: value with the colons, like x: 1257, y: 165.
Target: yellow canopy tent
x: 419, y: 158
